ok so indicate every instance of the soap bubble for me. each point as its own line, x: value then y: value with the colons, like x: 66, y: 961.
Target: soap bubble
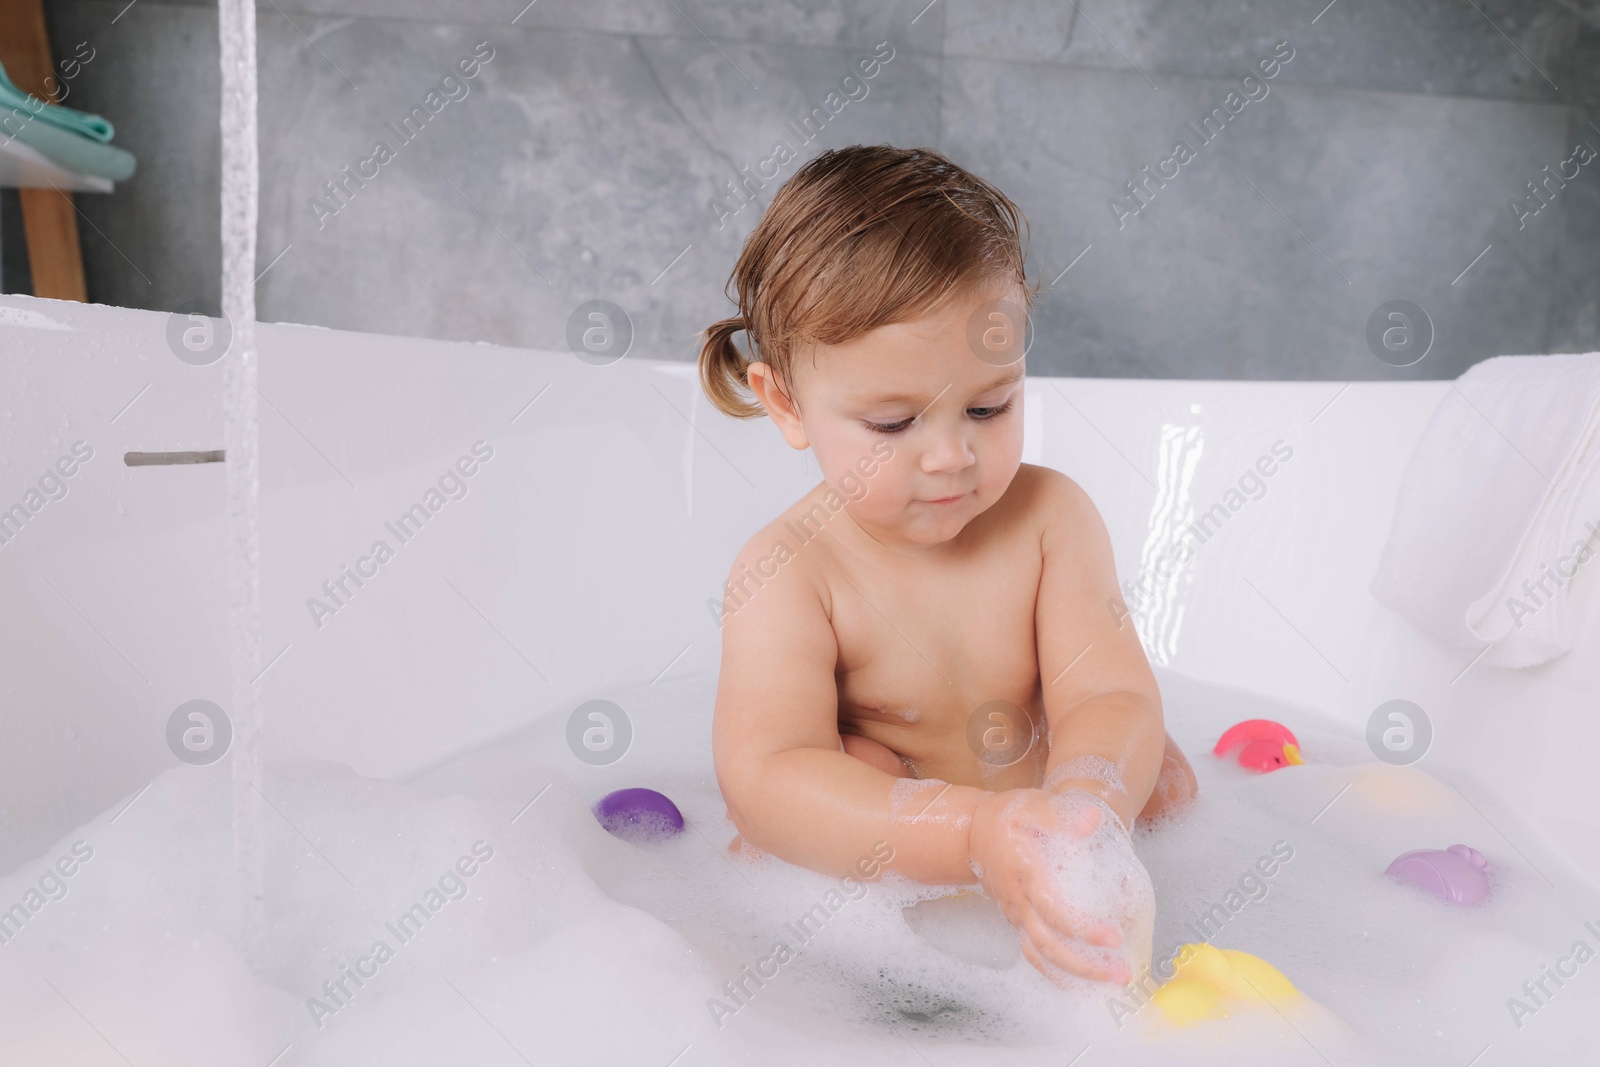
x: 1099, y: 877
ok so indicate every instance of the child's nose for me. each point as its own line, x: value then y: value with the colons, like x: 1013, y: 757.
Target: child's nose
x: 947, y: 452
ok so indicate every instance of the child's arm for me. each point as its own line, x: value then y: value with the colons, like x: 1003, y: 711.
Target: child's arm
x: 1106, y: 738
x: 789, y: 787
x: 1107, y: 734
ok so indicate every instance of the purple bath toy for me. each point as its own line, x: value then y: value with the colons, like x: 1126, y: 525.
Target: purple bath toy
x: 639, y: 814
x: 1456, y: 875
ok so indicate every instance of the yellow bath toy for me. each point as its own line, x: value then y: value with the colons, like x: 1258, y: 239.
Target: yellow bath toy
x: 1401, y: 789
x: 1213, y: 983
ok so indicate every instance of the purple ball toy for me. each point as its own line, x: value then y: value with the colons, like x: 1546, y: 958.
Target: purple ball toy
x: 1456, y: 875
x: 639, y: 814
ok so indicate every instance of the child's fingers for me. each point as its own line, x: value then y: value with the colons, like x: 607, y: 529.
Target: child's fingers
x: 1067, y: 920
x: 1031, y: 954
x: 1082, y: 967
x: 1070, y: 956
x: 1077, y: 815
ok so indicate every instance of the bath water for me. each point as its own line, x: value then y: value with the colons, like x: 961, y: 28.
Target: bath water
x: 477, y: 913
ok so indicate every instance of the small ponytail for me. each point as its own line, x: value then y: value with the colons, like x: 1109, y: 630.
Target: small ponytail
x: 723, y: 370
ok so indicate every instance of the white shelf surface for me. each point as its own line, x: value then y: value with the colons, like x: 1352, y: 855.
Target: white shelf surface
x: 25, y: 167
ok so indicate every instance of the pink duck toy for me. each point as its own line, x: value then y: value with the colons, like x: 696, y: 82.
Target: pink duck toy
x: 1263, y: 745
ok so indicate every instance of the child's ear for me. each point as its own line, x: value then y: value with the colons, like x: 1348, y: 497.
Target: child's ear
x: 770, y: 394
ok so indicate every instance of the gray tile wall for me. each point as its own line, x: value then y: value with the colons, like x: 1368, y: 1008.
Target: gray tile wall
x: 1380, y: 164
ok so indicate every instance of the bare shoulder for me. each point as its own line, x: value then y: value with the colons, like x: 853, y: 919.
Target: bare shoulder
x: 775, y: 569
x: 1059, y: 505
x: 1073, y: 538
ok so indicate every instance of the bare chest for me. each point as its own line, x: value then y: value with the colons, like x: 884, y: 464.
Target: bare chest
x: 929, y: 655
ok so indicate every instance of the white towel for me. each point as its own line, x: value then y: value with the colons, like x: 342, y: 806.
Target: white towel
x: 1499, y: 510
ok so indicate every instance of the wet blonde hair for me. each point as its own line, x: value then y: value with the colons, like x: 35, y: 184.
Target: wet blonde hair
x: 858, y: 238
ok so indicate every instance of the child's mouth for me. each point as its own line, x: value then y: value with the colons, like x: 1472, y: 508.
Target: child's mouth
x: 947, y: 499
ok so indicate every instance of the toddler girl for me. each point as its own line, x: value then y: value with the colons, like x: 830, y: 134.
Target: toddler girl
x: 927, y: 649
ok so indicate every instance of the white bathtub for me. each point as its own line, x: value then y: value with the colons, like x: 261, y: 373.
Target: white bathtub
x: 584, y: 554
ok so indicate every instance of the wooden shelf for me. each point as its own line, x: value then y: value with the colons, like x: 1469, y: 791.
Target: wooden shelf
x: 49, y: 218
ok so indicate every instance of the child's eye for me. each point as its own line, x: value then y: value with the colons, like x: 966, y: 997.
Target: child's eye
x: 890, y: 427
x: 989, y: 413
x: 976, y: 413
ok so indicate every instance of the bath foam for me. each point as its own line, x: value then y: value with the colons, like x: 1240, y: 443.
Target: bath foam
x: 967, y: 925
x: 916, y: 800
x: 1100, y: 878
x: 1094, y: 768
x: 584, y: 949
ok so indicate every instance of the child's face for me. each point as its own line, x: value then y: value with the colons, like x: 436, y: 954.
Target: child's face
x: 952, y: 419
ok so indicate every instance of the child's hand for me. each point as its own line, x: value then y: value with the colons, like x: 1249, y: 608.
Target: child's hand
x: 1012, y: 854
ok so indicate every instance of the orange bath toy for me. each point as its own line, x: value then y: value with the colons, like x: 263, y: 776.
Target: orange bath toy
x: 1263, y: 745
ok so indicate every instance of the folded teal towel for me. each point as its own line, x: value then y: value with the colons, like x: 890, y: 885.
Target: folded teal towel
x: 81, y: 122
x: 72, y: 151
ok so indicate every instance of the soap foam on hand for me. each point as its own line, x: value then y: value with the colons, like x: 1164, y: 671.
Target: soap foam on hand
x: 1099, y: 879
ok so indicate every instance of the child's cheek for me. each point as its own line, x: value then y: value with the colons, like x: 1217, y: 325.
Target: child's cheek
x: 891, y: 487
x: 1011, y: 443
